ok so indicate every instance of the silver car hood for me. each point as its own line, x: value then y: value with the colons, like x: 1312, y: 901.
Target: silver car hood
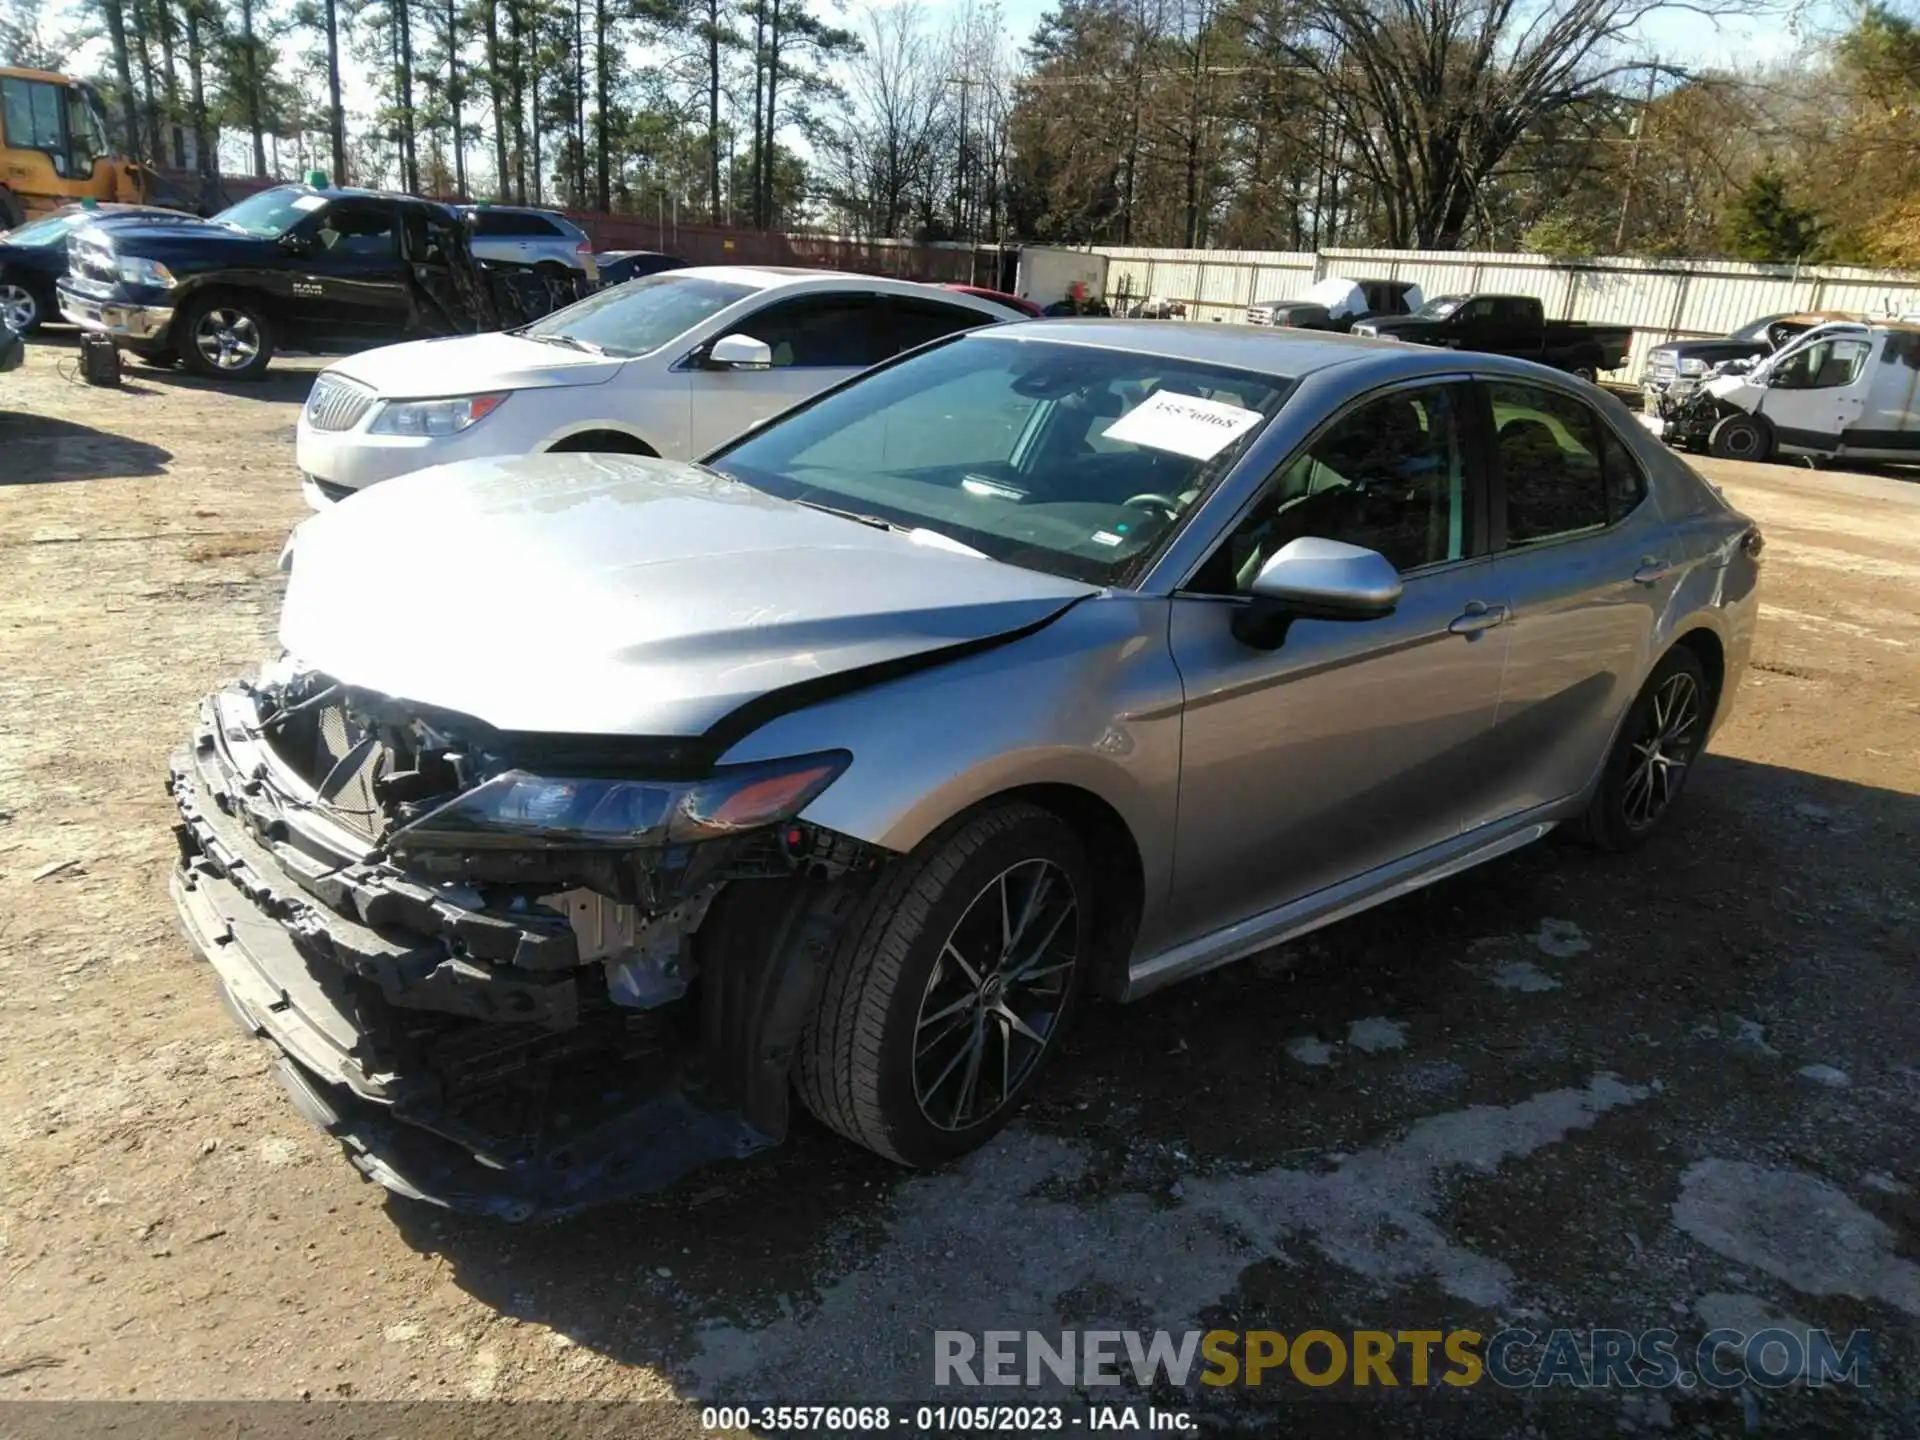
x: 613, y: 595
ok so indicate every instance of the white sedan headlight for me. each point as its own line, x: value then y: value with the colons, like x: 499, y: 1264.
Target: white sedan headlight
x: 138, y: 270
x: 435, y: 417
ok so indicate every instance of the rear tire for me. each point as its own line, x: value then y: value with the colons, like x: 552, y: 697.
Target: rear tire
x: 1741, y: 437
x: 224, y: 337
x: 931, y: 1029
x: 1658, y: 745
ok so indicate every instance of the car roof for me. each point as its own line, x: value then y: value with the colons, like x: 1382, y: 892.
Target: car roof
x: 798, y: 277
x: 356, y: 192
x: 1264, y: 350
x: 544, y: 211
x: 1258, y: 348
x: 112, y: 207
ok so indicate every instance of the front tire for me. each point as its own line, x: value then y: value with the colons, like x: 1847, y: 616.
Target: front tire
x: 1659, y: 742
x: 225, y: 338
x: 1741, y: 437
x: 948, y: 992
x: 20, y: 307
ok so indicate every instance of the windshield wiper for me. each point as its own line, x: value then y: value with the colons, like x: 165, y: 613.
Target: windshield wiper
x: 920, y: 533
x: 573, y: 341
x: 875, y: 521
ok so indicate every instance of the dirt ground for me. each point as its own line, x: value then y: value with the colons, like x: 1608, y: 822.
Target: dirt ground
x: 1565, y: 1089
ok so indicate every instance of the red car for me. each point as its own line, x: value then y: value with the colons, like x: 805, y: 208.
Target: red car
x: 1015, y: 301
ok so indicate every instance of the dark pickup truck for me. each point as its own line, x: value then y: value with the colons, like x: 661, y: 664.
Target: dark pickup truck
x: 1509, y: 325
x: 290, y: 268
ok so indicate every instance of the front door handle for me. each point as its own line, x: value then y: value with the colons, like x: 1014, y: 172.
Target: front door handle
x: 1652, y: 571
x: 1480, y: 616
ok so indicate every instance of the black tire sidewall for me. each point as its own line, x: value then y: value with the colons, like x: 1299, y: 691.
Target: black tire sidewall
x: 1762, y: 439
x: 189, y: 352
x: 1607, y: 820
x: 915, y: 1138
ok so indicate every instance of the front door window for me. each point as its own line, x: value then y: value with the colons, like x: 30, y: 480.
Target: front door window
x: 1388, y: 476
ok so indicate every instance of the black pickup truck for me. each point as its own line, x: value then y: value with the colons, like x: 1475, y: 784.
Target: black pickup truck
x: 1513, y: 325
x: 290, y: 268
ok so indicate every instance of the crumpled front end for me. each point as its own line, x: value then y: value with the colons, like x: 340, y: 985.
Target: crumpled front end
x: 515, y: 1027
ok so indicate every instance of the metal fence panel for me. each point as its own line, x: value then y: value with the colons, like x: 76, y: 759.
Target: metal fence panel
x: 1660, y: 299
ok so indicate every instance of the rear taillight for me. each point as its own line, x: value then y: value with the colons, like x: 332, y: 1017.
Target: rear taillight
x: 585, y: 247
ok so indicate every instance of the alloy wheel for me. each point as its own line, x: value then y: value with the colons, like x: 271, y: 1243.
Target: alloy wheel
x: 994, y: 1000
x: 1662, y: 753
x: 18, y: 308
x: 228, y: 339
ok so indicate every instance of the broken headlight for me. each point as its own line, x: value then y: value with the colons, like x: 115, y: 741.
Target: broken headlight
x: 517, y: 810
x: 435, y: 417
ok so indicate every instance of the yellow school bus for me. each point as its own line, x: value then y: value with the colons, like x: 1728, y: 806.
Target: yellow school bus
x: 54, y: 148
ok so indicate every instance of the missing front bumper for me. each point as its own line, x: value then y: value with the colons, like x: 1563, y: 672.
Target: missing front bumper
x: 484, y: 1085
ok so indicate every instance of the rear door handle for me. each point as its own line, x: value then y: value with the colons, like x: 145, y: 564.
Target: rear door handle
x: 1652, y: 571
x: 1479, y: 616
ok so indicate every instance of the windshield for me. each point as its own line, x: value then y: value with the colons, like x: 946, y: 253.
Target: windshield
x: 1755, y: 329
x: 640, y: 316
x: 1440, y: 307
x: 49, y: 230
x: 271, y: 213
x: 1071, y: 459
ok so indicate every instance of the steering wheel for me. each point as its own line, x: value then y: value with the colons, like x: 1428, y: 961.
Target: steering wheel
x: 1150, y: 501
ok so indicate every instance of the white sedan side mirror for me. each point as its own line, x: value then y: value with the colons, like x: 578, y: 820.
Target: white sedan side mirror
x: 740, y: 352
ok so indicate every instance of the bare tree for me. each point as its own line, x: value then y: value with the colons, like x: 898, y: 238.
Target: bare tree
x: 896, y: 98
x: 1432, y: 95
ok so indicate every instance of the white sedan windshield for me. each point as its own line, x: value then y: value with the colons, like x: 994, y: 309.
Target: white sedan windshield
x: 1072, y: 459
x: 639, y: 317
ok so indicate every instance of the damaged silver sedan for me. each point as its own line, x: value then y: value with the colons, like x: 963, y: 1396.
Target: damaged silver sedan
x: 599, y: 805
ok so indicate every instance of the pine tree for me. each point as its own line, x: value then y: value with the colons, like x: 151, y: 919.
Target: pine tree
x: 1764, y: 224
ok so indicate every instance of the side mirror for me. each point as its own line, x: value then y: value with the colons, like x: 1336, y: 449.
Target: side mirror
x: 739, y: 352
x: 1314, y: 579
x: 295, y: 244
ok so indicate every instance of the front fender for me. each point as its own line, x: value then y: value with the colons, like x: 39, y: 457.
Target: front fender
x: 1091, y: 701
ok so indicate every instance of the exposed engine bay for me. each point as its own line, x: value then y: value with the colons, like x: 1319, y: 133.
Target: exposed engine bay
x: 1687, y: 420
x: 505, y: 992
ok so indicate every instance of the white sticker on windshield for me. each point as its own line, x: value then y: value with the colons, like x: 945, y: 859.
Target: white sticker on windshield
x: 309, y: 202
x: 1184, y: 424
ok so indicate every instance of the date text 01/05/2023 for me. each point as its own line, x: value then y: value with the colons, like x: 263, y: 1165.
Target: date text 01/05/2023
x: 942, y: 1419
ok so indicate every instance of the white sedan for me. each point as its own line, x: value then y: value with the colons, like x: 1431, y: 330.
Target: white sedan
x: 669, y: 365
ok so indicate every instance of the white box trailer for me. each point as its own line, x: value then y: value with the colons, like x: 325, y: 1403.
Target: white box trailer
x: 1046, y: 275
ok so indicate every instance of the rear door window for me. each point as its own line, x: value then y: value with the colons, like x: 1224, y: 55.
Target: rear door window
x: 915, y: 322
x: 1563, y: 470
